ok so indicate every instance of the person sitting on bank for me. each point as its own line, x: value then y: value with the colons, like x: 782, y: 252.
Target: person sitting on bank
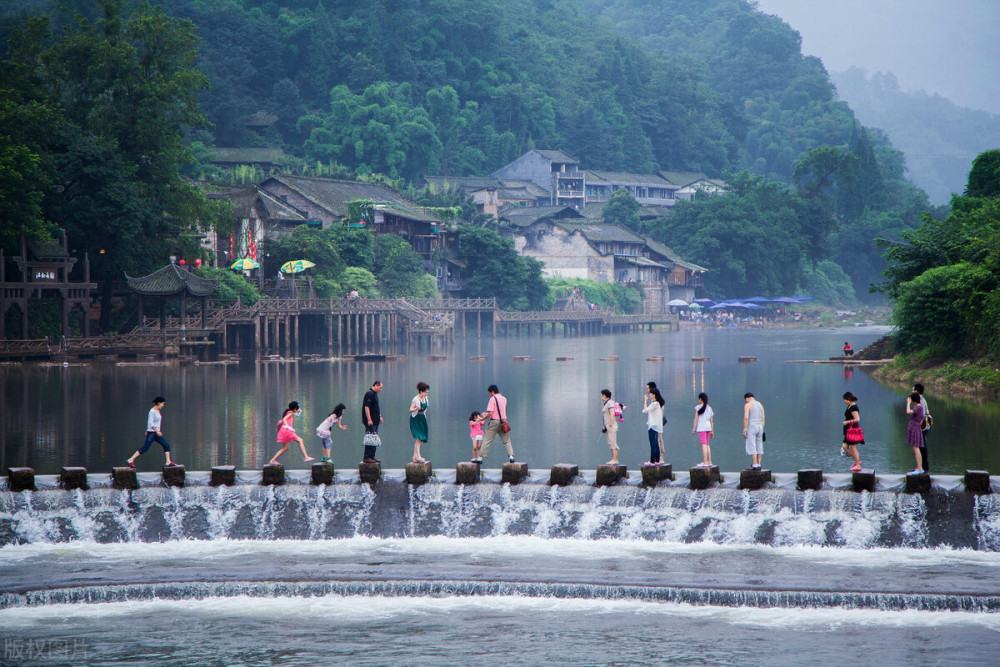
x: 848, y: 350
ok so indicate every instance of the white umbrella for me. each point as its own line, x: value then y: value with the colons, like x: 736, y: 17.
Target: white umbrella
x: 677, y: 302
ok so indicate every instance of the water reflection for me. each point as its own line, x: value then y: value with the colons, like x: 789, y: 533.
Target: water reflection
x: 94, y: 415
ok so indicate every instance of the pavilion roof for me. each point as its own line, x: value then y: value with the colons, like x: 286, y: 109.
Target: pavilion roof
x: 170, y: 280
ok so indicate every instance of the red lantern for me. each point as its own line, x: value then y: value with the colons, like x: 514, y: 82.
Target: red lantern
x: 197, y: 263
x: 182, y: 262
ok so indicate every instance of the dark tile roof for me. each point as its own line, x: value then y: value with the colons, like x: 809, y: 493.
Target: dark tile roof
x: 523, y: 216
x: 530, y: 188
x: 169, y: 280
x: 684, y: 178
x: 275, y: 209
x: 248, y: 155
x: 621, y: 177
x: 463, y: 182
x: 51, y: 249
x: 333, y: 194
x: 599, y: 231
x: 260, y: 119
x: 670, y: 254
x: 556, y: 156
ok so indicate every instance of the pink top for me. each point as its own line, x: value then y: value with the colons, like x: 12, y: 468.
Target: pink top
x: 286, y: 433
x: 475, y: 428
x: 497, y: 400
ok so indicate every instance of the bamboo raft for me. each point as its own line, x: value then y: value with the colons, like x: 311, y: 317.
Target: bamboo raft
x: 748, y: 359
x: 696, y: 359
x: 564, y: 358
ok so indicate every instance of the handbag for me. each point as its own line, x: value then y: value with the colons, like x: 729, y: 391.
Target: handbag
x: 854, y: 435
x: 504, y: 424
x: 371, y: 440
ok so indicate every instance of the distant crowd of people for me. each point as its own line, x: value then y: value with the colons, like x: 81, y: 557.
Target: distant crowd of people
x: 487, y: 425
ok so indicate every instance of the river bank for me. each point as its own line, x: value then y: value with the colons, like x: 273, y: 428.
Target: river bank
x: 965, y: 379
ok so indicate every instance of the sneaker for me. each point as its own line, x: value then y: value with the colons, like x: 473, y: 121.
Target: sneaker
x: 915, y: 471
x: 131, y: 464
x: 477, y: 460
x: 511, y: 459
x: 755, y: 467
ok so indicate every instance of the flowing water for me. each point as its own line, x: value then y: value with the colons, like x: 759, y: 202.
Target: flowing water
x: 523, y: 575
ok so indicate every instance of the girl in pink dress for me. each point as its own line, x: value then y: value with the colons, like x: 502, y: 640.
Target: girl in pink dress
x: 287, y: 434
x: 476, y: 433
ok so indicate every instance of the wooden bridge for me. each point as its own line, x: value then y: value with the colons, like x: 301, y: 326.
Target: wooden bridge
x: 279, y: 325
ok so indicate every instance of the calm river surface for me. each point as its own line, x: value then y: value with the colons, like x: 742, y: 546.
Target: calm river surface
x: 95, y: 415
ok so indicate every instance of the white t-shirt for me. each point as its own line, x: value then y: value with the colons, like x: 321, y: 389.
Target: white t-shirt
x: 654, y: 416
x: 704, y: 419
x: 154, y: 420
x: 323, y: 430
x: 608, y: 413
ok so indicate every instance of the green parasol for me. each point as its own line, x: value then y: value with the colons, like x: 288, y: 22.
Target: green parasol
x: 245, y: 264
x: 296, y: 266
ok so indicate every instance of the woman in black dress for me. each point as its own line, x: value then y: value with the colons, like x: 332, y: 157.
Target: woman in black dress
x: 852, y: 417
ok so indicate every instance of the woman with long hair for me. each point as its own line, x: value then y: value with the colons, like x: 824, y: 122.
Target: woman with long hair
x: 852, y: 417
x: 652, y: 406
x: 704, y: 427
x: 287, y: 434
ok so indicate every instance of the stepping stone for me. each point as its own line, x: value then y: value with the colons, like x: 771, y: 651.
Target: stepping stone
x: 864, y: 480
x: 653, y: 475
x: 467, y: 472
x: 73, y: 478
x: 977, y: 481
x: 918, y: 483
x: 418, y: 473
x: 609, y: 474
x: 223, y: 476
x: 173, y: 475
x: 702, y: 478
x: 369, y: 471
x: 754, y: 479
x: 514, y: 473
x: 322, y: 473
x: 810, y: 479
x: 562, y: 474
x: 273, y: 475
x: 20, y: 479
x: 124, y: 478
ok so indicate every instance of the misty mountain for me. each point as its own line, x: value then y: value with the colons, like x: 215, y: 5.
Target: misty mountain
x: 938, y: 137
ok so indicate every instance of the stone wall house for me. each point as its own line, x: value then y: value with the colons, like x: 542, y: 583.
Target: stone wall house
x: 554, y: 171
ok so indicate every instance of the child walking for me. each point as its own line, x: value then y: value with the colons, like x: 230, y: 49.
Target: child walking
x: 324, y: 430
x: 287, y: 434
x: 154, y: 421
x: 476, y: 420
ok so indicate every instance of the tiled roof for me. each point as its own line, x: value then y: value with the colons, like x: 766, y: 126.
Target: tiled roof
x: 682, y: 179
x: 523, y: 216
x: 333, y: 194
x: 51, y: 249
x: 556, y: 156
x: 248, y: 155
x: 169, y: 280
x: 260, y: 119
x: 599, y: 231
x: 463, y: 182
x: 279, y: 210
x: 625, y: 178
x: 531, y: 188
x: 668, y: 252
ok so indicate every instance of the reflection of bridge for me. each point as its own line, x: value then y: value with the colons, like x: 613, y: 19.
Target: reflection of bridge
x: 279, y: 325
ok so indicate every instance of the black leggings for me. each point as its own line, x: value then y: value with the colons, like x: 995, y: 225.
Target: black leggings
x: 925, y: 463
x: 370, y: 452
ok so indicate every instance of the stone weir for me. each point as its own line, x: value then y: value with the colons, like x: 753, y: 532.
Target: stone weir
x: 570, y: 504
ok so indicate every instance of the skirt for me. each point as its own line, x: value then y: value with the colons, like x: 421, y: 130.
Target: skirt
x: 418, y: 427
x: 286, y: 434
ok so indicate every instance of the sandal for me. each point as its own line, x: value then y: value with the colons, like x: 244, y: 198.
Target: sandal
x: 856, y: 468
x: 308, y: 459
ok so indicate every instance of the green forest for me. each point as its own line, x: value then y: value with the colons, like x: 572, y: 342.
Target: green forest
x: 112, y: 110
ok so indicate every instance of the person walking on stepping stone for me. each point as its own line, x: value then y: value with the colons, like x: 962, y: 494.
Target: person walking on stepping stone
x: 287, y: 434
x: 154, y: 423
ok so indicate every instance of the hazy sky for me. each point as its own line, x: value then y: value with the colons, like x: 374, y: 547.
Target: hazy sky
x: 949, y: 47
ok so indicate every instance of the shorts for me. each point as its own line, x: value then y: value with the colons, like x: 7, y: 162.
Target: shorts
x: 477, y: 438
x: 755, y: 439
x: 703, y: 437
x: 613, y: 437
x: 327, y: 442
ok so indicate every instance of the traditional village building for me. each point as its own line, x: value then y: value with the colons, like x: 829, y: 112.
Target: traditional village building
x: 687, y: 184
x: 264, y: 159
x: 570, y: 245
x: 172, y: 282
x: 45, y: 268
x: 554, y: 171
x: 648, y: 190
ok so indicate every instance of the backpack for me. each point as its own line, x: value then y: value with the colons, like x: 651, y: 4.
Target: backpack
x: 617, y: 411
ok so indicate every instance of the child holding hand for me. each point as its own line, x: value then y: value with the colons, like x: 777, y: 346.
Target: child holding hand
x: 476, y: 420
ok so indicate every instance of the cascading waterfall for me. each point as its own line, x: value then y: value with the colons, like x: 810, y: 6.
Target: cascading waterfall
x: 775, y: 517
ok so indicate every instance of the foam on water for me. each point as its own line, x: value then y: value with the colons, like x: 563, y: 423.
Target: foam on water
x: 364, y: 608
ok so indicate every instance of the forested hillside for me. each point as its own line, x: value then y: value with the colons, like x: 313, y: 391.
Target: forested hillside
x: 938, y: 137
x: 409, y: 88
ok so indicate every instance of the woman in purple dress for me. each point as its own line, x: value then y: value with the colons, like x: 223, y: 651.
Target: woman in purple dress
x: 914, y: 436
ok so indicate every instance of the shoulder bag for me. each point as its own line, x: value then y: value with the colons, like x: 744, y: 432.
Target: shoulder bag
x: 504, y: 424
